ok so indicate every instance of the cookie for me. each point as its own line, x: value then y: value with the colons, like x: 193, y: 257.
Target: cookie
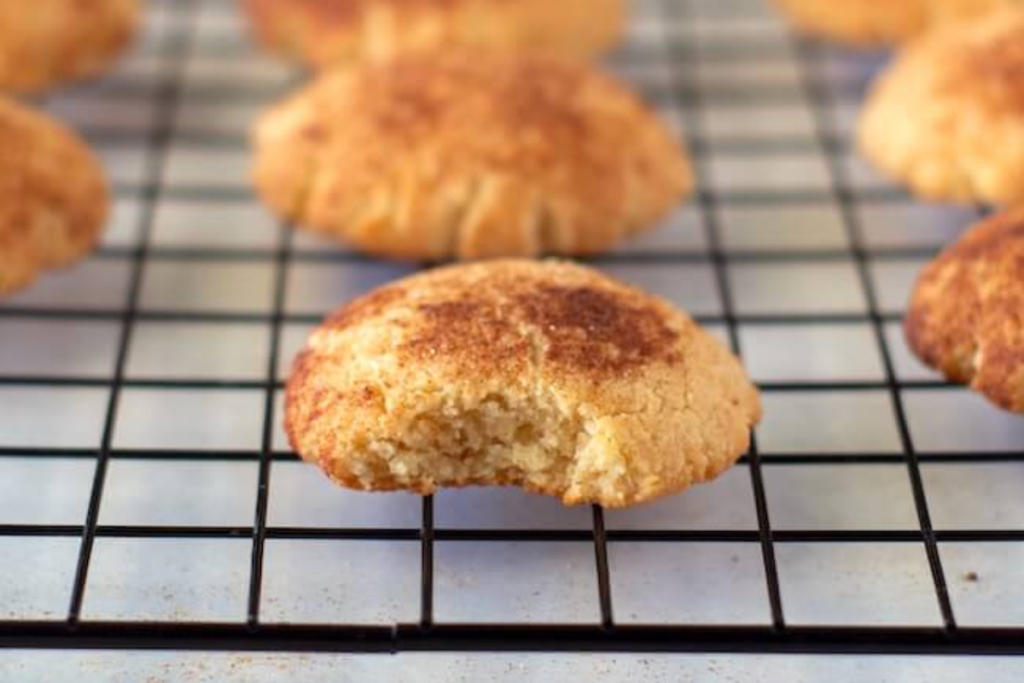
x: 966, y: 315
x: 543, y: 375
x: 330, y: 32
x: 856, y: 22
x: 881, y: 22
x: 947, y: 118
x: 469, y: 155
x: 53, y: 196
x: 45, y: 42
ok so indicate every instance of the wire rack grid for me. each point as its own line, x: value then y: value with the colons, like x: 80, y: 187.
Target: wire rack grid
x: 149, y: 500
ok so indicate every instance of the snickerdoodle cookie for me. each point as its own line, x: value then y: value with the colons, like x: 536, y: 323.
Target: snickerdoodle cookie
x: 947, y: 118
x: 966, y: 316
x: 53, y: 196
x: 544, y: 375
x: 45, y: 42
x: 470, y: 155
x: 881, y: 22
x: 331, y: 32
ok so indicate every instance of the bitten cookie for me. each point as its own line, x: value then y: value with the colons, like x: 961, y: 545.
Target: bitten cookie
x: 470, y: 155
x: 966, y: 316
x: 53, y: 196
x: 947, y: 118
x: 544, y: 375
x: 329, y: 32
x: 881, y: 22
x: 44, y: 42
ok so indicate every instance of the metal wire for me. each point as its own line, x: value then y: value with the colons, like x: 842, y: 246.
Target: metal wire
x: 427, y: 632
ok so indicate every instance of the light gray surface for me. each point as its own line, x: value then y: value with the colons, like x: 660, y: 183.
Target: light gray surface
x: 198, y: 351
x: 505, y: 508
x: 893, y: 280
x: 179, y: 492
x: 124, y: 222
x: 812, y: 353
x: 759, y: 173
x: 36, y: 581
x: 187, y: 419
x: 985, y: 583
x: 319, y: 288
x: 190, y: 224
x: 680, y: 233
x: 960, y: 421
x: 58, y: 348
x: 855, y: 584
x: 797, y: 288
x: 789, y: 120
x: 95, y: 284
x: 68, y: 417
x: 782, y: 228
x: 54, y: 491
x: 908, y: 224
x: 515, y: 582
x: 844, y: 497
x: 726, y: 503
x: 673, y: 583
x: 161, y: 579
x: 132, y: 667
x: 351, y: 582
x: 302, y: 497
x: 955, y: 491
x: 812, y: 422
x: 207, y: 287
x: 692, y: 290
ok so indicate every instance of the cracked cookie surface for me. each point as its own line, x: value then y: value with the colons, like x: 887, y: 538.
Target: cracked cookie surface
x: 469, y: 156
x: 544, y: 375
x: 53, y: 196
x: 325, y: 33
x: 947, y: 118
x: 966, y: 316
x: 45, y: 42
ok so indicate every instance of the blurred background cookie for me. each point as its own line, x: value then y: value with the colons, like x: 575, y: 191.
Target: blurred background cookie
x: 45, y: 42
x: 53, y: 196
x: 881, y: 22
x: 325, y: 32
x: 544, y: 375
x: 966, y: 315
x: 947, y: 118
x: 470, y: 155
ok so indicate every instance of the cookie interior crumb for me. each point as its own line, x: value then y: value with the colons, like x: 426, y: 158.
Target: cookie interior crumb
x: 501, y: 437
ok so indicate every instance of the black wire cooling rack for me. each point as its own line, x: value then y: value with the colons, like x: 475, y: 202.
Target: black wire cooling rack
x: 767, y: 118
